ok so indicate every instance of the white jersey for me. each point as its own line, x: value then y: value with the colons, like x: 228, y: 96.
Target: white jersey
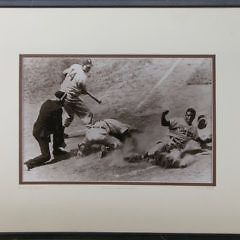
x: 74, y: 82
x: 180, y: 132
x: 112, y: 126
x: 101, y: 128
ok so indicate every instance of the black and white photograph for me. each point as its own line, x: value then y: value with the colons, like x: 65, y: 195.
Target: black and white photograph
x: 117, y: 119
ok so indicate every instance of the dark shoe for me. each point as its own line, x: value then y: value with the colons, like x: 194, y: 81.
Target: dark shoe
x: 57, y: 152
x: 103, y: 154
x: 29, y: 165
x: 81, y: 150
x: 104, y: 151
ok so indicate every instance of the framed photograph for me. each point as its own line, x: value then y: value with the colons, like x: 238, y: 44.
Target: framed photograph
x: 119, y: 119
x: 152, y: 118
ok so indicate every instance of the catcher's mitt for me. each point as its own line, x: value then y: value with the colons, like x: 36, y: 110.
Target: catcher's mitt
x: 202, y: 122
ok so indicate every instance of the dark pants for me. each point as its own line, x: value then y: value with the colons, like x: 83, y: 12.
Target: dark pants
x: 45, y: 151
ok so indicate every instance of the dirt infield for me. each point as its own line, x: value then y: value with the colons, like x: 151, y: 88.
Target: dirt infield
x: 134, y: 91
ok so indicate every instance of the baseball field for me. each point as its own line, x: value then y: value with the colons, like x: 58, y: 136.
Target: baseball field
x: 135, y: 91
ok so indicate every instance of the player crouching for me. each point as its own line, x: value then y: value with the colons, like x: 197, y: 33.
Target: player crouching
x: 104, y: 135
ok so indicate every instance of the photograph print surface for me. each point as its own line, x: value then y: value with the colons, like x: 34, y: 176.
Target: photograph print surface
x: 117, y: 119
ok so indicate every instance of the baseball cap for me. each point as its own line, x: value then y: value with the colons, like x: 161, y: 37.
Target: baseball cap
x: 87, y: 62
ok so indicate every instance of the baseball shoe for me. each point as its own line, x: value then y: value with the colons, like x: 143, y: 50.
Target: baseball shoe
x: 104, y: 151
x: 81, y: 150
x: 29, y: 165
x: 103, y: 154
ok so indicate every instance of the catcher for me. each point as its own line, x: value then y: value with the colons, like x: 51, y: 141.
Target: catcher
x: 181, y: 131
x: 105, y: 135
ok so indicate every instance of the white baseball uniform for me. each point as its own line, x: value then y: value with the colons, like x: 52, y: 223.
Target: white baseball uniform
x: 74, y: 84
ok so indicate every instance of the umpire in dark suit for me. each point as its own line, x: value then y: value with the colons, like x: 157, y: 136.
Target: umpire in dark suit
x: 49, y: 122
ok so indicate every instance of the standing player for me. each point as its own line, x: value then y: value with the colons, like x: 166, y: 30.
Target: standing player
x: 73, y: 86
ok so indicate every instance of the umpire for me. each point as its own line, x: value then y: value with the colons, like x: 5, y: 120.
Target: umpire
x: 49, y: 122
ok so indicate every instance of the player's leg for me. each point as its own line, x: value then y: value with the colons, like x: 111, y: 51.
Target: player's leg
x: 68, y: 116
x: 43, y: 157
x: 108, y: 144
x: 82, y: 111
x: 157, y: 148
x: 58, y: 143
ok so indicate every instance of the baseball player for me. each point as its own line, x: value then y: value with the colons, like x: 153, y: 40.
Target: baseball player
x: 109, y: 134
x: 49, y: 122
x: 181, y: 131
x: 73, y: 86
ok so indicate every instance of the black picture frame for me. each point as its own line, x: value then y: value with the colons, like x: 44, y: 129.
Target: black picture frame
x: 115, y: 236
x: 117, y: 3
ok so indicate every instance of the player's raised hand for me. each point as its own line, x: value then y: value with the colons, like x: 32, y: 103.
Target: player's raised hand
x: 165, y: 112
